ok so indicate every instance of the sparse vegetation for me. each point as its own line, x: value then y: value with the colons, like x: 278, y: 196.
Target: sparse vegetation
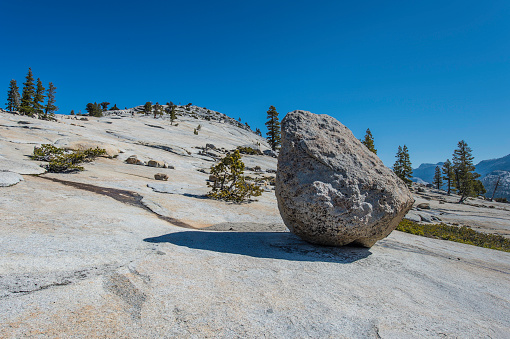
x: 461, y: 234
x: 94, y: 109
x: 64, y: 161
x: 13, y: 97
x: 402, y: 166
x: 230, y: 184
x: 369, y: 141
x: 465, y: 175
x: 273, y: 128
x: 248, y: 150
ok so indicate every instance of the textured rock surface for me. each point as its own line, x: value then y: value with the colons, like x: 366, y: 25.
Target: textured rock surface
x: 94, y: 261
x: 9, y: 178
x: 331, y: 189
x: 161, y: 176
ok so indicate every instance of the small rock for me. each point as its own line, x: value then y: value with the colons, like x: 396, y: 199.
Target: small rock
x: 270, y: 152
x: 156, y: 163
x: 212, y: 178
x: 133, y: 160
x: 161, y: 176
x: 423, y: 206
x: 210, y: 146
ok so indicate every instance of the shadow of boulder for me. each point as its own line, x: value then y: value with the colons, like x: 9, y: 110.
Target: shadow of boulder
x: 270, y: 245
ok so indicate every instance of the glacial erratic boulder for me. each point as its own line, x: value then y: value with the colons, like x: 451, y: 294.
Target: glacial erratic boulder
x: 331, y: 189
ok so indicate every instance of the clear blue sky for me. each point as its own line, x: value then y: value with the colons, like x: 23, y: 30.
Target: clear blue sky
x: 422, y: 73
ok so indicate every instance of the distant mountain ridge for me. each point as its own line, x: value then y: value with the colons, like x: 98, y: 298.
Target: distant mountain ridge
x: 489, y: 170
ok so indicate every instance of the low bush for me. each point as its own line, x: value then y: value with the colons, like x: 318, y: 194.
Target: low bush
x: 230, y: 183
x: 249, y: 150
x: 64, y: 161
x: 501, y: 200
x: 461, y: 234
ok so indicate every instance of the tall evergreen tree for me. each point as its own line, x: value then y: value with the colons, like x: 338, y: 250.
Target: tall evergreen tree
x: 369, y: 141
x: 464, y: 170
x: 438, y: 179
x: 258, y: 132
x: 13, y: 98
x: 273, y: 128
x: 39, y: 98
x: 171, y: 111
x: 402, y: 166
x: 448, y: 175
x: 50, y: 107
x: 27, y: 96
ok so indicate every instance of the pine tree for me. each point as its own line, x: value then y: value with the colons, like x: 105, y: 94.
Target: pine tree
x: 369, y: 141
x: 438, y: 179
x: 94, y: 109
x: 72, y: 112
x: 147, y: 108
x: 50, y: 103
x: 402, y: 166
x: 13, y: 98
x: 27, y: 96
x: 479, y: 188
x: 171, y: 111
x: 158, y: 110
x: 115, y: 108
x: 273, y: 127
x: 258, y: 132
x: 104, y: 105
x: 39, y: 98
x: 448, y: 175
x: 464, y: 170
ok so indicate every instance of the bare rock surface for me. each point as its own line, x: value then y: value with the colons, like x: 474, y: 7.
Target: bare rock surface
x: 99, y: 254
x: 9, y: 178
x: 20, y: 166
x: 331, y: 189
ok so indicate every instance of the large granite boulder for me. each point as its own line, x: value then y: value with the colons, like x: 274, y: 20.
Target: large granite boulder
x: 331, y: 189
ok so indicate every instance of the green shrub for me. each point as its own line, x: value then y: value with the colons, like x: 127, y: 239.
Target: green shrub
x: 230, y: 184
x: 462, y: 234
x: 249, y: 150
x: 64, y: 161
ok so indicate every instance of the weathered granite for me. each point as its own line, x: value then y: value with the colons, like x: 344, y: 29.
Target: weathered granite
x: 331, y: 189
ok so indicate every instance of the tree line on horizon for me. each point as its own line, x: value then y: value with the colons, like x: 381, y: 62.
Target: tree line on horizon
x: 459, y: 174
x: 31, y: 101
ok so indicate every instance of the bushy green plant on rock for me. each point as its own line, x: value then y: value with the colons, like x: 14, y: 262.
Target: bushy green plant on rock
x: 230, y: 184
x: 63, y: 161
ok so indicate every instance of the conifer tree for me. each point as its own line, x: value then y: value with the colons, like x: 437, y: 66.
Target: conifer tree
x: 147, y: 108
x: 438, y: 179
x: 258, y: 132
x: 158, y: 110
x: 114, y: 108
x: 448, y: 175
x: 464, y: 170
x: 27, y: 96
x: 94, y: 109
x: 402, y: 166
x: 72, y: 112
x: 39, y: 98
x: 50, y: 103
x: 171, y: 110
x: 104, y: 105
x: 273, y: 127
x: 13, y: 98
x: 369, y: 141
x: 479, y: 188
